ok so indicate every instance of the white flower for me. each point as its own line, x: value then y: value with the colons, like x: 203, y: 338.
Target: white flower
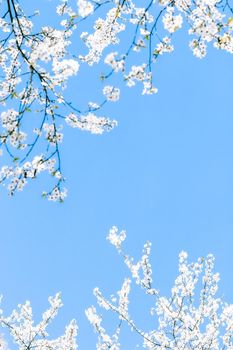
x: 112, y: 94
x: 116, y: 238
x: 85, y: 8
x: 91, y: 123
x: 172, y: 22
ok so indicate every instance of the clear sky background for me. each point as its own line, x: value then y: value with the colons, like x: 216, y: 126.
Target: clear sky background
x: 165, y: 174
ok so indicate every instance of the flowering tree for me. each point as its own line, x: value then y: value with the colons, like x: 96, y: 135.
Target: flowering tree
x: 37, y: 61
x: 192, y: 317
x: 29, y: 336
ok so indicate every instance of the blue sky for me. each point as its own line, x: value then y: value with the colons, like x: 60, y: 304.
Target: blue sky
x: 165, y: 174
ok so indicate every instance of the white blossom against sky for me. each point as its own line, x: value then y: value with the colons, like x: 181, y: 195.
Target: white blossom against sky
x: 164, y: 174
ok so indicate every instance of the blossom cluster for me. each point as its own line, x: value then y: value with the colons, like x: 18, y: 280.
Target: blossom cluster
x: 91, y: 123
x: 38, y: 61
x: 209, y: 21
x: 192, y: 317
x: 35, y: 66
x: 29, y: 336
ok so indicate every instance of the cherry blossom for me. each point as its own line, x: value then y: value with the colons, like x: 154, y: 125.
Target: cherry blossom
x: 193, y: 316
x: 28, y: 335
x: 125, y: 37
